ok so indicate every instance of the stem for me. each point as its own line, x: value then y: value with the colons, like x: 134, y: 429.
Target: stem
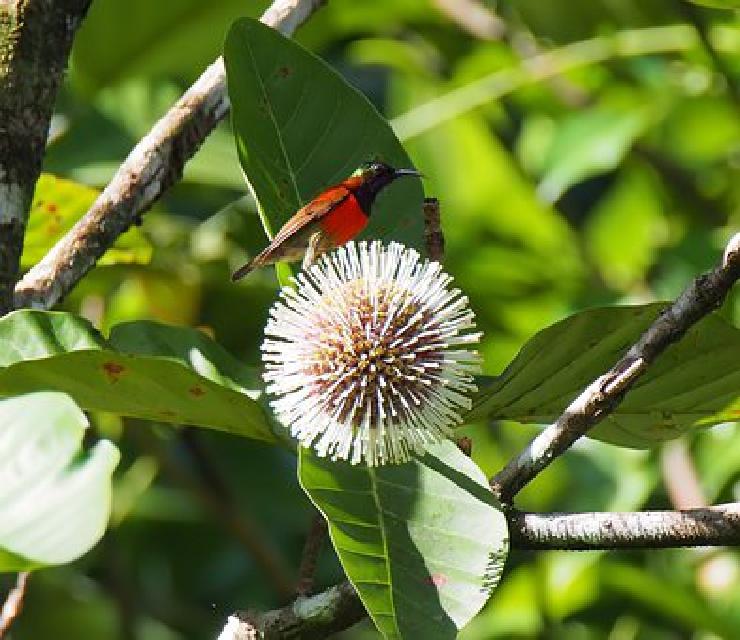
x: 309, y: 558
x: 433, y: 237
x: 35, y: 40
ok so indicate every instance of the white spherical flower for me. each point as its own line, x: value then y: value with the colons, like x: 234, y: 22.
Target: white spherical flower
x: 369, y: 356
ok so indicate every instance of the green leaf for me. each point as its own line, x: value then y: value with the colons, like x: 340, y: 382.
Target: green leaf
x: 695, y: 382
x: 54, y: 505
x: 424, y: 543
x: 589, y: 143
x: 146, y: 370
x: 57, y: 205
x: 300, y: 127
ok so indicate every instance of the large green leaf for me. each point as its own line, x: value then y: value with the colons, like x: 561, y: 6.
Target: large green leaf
x: 54, y: 505
x: 300, y: 128
x: 695, y: 382
x: 146, y: 370
x: 57, y: 205
x: 423, y: 543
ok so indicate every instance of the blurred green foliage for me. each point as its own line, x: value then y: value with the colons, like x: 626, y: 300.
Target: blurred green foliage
x: 614, y: 182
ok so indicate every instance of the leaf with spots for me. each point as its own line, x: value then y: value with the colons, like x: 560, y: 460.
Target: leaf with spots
x: 300, y: 127
x: 424, y: 543
x: 54, y: 502
x: 694, y: 383
x: 57, y: 205
x: 144, y: 370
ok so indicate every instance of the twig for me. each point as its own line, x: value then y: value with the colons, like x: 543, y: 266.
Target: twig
x: 605, y: 393
x: 709, y: 526
x: 35, y: 40
x: 13, y: 603
x: 310, y: 556
x: 154, y: 165
x: 433, y: 238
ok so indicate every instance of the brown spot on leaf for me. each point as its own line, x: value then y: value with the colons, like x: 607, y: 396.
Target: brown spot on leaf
x: 113, y: 370
x: 196, y: 391
x: 437, y: 580
x: 51, y: 207
x: 285, y: 71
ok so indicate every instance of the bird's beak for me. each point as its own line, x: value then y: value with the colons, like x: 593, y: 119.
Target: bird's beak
x: 398, y: 173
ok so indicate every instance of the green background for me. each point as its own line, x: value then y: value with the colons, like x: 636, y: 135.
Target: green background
x: 614, y: 184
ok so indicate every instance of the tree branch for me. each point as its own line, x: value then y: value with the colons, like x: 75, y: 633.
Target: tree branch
x: 710, y: 526
x: 319, y: 616
x: 604, y: 394
x: 153, y: 166
x: 35, y: 40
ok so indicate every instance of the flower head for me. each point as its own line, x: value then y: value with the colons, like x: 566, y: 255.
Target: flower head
x: 368, y: 357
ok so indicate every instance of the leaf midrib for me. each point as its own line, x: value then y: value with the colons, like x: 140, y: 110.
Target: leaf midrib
x: 386, y: 549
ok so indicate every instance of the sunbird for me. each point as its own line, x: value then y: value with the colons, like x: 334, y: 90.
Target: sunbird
x: 332, y: 218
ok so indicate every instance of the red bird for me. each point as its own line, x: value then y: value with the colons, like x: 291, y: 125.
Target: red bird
x: 332, y: 218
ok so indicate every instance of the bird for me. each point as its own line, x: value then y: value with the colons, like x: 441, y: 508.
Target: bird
x: 334, y: 217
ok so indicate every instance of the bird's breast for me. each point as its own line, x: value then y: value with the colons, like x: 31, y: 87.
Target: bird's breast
x: 345, y: 221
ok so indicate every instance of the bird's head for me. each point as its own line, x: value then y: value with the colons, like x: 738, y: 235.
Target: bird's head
x: 374, y: 177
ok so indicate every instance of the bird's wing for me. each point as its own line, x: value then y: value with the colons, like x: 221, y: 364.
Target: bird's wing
x: 317, y: 208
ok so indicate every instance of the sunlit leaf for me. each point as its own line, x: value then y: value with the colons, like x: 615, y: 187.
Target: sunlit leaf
x: 54, y: 505
x: 695, y: 382
x: 300, y: 128
x: 146, y: 370
x: 57, y: 205
x: 424, y: 543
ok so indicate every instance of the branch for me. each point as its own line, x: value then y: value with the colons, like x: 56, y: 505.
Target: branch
x: 153, y: 166
x: 604, y: 394
x: 13, y: 604
x: 319, y: 616
x: 35, y: 40
x: 710, y: 526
